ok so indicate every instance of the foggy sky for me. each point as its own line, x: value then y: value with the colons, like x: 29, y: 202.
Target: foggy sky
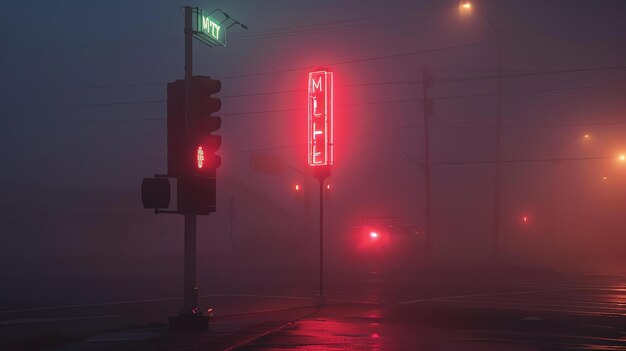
x: 83, y: 121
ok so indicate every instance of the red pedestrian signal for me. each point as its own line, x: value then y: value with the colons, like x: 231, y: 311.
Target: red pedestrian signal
x: 200, y: 157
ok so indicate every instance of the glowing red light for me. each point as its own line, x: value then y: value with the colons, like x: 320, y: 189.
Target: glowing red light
x: 297, y: 187
x: 374, y: 235
x: 320, y: 118
x: 525, y: 219
x: 375, y: 336
x: 328, y: 187
x: 200, y: 157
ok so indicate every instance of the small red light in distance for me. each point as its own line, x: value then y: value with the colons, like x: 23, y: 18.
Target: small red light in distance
x: 200, y: 157
x: 297, y: 187
x: 374, y: 235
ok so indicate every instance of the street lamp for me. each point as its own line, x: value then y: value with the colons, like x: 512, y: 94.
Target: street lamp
x: 582, y: 138
x: 465, y: 6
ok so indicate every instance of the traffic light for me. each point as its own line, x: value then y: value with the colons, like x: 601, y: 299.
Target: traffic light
x: 191, y: 147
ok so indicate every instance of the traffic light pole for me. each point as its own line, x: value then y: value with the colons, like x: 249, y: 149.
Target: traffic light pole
x: 189, y: 128
x: 190, y: 318
x: 190, y: 298
x: 190, y: 302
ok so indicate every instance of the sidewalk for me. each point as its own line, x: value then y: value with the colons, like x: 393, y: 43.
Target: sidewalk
x: 40, y: 328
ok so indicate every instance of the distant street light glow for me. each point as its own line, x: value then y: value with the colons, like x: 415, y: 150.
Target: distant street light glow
x: 373, y: 235
x: 466, y: 5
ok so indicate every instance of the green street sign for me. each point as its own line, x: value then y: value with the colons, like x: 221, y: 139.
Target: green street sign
x: 209, y: 28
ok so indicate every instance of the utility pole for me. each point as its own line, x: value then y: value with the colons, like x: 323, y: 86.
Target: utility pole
x: 498, y: 168
x: 428, y: 108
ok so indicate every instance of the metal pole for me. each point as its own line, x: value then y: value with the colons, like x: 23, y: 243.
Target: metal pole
x: 427, y: 109
x: 188, y: 65
x: 190, y: 302
x: 498, y: 168
x: 190, y: 293
x: 321, y: 239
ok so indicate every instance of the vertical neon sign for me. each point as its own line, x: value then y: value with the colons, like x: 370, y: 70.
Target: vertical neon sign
x: 320, y: 118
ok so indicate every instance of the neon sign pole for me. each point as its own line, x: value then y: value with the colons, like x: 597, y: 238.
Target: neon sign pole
x: 320, y: 143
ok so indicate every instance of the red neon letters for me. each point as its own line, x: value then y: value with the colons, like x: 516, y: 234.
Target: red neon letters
x: 320, y: 118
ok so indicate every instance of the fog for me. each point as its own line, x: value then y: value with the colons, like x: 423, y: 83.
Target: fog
x: 84, y: 120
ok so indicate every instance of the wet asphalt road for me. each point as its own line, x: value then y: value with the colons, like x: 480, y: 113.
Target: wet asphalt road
x: 556, y: 312
x: 385, y: 311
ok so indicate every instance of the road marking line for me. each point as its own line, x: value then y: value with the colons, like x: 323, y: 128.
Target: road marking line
x: 443, y: 298
x: 38, y: 309
x: 55, y: 319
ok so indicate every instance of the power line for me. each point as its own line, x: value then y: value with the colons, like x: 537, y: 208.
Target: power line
x: 107, y: 103
x: 121, y: 85
x: 537, y: 73
x: 527, y: 126
x: 369, y: 59
x: 344, y: 105
x: 419, y: 99
x: 400, y: 82
x: 471, y: 162
x: 104, y: 121
x: 326, y: 26
x: 375, y: 58
x: 264, y: 149
x: 294, y: 34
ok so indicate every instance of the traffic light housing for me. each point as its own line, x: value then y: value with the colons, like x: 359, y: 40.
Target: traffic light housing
x: 155, y: 193
x: 191, y: 148
x: 190, y: 145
